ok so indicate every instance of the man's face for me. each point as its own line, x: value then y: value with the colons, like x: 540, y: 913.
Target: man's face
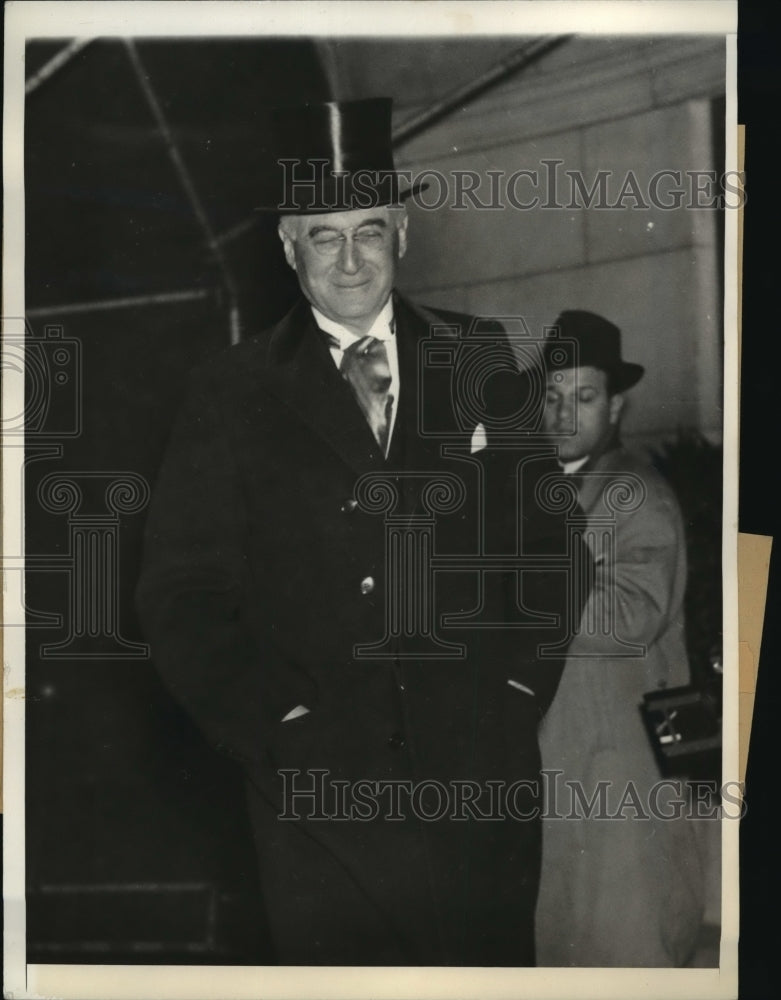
x: 346, y: 261
x: 579, y: 411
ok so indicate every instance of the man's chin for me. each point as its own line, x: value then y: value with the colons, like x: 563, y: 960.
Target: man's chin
x: 358, y: 297
x: 364, y: 290
x: 570, y: 454
x: 356, y: 304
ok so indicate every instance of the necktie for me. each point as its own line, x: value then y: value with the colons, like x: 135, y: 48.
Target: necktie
x: 365, y: 366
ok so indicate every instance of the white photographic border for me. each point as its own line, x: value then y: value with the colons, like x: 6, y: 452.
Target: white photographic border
x: 64, y: 20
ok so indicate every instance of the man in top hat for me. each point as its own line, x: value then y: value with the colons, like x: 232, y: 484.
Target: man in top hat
x: 625, y: 891
x: 287, y: 593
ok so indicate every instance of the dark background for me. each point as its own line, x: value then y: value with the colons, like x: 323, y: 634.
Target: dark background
x: 138, y: 848
x: 759, y: 98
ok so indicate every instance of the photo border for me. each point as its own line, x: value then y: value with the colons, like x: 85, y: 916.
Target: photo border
x: 459, y: 19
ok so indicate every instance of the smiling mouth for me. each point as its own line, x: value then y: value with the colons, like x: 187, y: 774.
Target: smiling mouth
x: 350, y: 288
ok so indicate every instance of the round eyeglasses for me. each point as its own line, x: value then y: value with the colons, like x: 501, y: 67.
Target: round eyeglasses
x: 329, y: 243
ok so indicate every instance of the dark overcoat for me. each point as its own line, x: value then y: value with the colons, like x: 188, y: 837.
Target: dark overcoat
x: 270, y: 559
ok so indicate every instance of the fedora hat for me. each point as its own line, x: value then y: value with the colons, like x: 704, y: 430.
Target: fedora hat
x: 586, y: 339
x: 334, y: 157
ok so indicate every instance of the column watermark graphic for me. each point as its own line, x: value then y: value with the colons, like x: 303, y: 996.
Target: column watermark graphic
x: 43, y: 372
x: 92, y: 561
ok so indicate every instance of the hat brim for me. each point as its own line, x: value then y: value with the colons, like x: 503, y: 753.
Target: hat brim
x: 623, y: 375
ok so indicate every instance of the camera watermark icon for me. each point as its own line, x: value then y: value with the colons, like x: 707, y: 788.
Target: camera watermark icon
x: 42, y: 376
x: 492, y: 375
x: 495, y: 374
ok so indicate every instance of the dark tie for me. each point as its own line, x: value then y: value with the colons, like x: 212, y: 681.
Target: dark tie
x: 365, y: 366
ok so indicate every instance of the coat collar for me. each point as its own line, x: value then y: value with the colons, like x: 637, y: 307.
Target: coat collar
x: 421, y: 395
x: 302, y: 374
x: 612, y: 460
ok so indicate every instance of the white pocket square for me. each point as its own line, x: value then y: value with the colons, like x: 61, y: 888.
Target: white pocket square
x: 294, y: 713
x: 479, y: 439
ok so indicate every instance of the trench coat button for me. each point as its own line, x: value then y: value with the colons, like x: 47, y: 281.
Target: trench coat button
x: 349, y: 506
x: 367, y: 585
x: 396, y: 741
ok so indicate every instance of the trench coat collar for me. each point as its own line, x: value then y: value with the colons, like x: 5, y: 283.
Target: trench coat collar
x: 612, y: 459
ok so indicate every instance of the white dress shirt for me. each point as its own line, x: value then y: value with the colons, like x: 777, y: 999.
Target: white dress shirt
x: 569, y: 467
x: 383, y: 328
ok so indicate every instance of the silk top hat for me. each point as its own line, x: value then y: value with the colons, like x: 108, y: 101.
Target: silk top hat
x: 334, y: 157
x: 586, y: 339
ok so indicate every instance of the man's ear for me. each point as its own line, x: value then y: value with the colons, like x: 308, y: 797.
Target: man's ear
x: 616, y: 406
x: 402, y: 231
x: 287, y: 243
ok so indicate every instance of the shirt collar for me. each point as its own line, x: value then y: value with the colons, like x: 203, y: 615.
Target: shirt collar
x: 569, y: 467
x: 383, y: 328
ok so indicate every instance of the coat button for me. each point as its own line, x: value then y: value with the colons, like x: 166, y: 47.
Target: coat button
x: 367, y: 585
x: 396, y: 741
x: 349, y: 506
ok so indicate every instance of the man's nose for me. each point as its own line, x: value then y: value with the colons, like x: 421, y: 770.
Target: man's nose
x: 350, y: 259
x: 566, y: 413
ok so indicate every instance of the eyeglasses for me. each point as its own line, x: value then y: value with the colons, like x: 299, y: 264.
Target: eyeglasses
x: 329, y: 243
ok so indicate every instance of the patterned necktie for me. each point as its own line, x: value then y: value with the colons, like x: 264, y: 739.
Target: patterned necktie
x: 365, y: 366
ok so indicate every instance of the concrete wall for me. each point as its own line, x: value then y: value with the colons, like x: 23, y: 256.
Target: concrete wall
x: 631, y: 105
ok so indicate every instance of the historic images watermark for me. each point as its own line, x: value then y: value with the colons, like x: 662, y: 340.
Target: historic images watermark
x: 312, y: 794
x: 549, y: 185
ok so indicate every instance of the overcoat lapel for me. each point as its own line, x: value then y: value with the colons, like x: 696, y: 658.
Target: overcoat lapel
x: 301, y: 373
x: 419, y: 395
x: 592, y: 486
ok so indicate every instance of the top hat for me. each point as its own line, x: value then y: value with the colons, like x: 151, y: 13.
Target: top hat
x: 588, y: 339
x: 334, y: 157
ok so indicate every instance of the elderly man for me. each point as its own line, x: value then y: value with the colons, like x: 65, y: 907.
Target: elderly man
x: 292, y: 605
x: 621, y: 886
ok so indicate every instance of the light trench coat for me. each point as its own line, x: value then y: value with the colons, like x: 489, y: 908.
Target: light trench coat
x: 626, y: 891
